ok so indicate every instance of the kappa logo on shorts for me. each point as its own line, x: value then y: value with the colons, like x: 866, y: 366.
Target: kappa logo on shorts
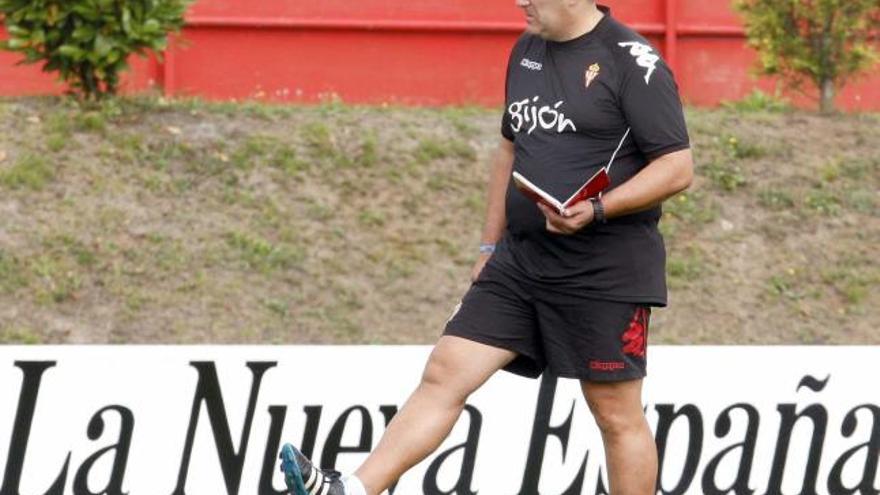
x: 635, y: 338
x: 607, y: 365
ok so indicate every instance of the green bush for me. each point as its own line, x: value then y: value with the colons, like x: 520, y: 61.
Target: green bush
x: 825, y: 42
x: 88, y: 42
x: 759, y: 101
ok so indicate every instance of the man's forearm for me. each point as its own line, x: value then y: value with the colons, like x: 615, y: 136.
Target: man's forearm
x: 661, y: 179
x: 499, y: 177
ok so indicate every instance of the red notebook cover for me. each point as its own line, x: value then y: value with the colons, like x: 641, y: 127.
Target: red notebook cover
x: 592, y: 188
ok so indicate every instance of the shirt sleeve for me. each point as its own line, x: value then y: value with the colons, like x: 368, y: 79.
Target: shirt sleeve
x: 651, y: 104
x: 506, y: 130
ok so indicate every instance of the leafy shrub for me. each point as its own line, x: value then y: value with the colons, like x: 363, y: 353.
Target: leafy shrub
x: 88, y: 42
x: 759, y: 101
x: 825, y: 42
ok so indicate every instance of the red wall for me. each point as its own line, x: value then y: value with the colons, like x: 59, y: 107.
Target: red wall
x: 425, y: 52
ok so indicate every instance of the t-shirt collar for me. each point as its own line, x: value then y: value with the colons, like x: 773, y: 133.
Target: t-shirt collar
x: 589, y: 35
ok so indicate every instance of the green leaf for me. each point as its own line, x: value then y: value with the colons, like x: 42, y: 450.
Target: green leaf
x: 84, y: 33
x: 112, y: 57
x: 102, y: 45
x: 159, y: 44
x: 16, y: 44
x: 151, y: 26
x: 71, y: 51
x: 38, y: 36
x: 126, y: 20
x: 18, y: 31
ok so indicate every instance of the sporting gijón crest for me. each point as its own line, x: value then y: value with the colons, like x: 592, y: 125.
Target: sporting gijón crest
x: 635, y: 338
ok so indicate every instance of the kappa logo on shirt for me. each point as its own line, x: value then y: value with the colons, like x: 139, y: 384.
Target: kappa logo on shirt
x: 531, y: 65
x: 645, y: 56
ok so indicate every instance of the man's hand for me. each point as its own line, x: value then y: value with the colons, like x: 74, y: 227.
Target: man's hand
x: 573, y: 219
x: 478, y: 266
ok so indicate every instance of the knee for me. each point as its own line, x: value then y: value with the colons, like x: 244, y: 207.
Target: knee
x: 436, y: 372
x: 441, y: 378
x: 616, y: 418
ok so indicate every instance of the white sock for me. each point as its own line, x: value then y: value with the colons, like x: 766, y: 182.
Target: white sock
x: 353, y: 486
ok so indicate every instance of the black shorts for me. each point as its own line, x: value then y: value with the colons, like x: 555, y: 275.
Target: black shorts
x: 582, y: 338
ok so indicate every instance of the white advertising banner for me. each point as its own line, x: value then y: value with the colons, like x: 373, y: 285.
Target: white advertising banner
x: 210, y: 421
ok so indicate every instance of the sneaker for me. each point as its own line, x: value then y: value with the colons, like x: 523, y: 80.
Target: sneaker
x: 303, y: 478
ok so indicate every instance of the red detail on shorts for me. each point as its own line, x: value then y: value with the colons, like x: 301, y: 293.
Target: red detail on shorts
x: 607, y: 365
x: 635, y: 338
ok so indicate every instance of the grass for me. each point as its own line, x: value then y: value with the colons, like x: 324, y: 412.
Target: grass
x: 862, y: 201
x: 30, y: 171
x: 57, y: 282
x: 688, y: 210
x: 431, y: 149
x: 260, y: 254
x: 852, y: 278
x: 254, y: 149
x: 278, y: 307
x: 67, y: 245
x: 369, y: 155
x: 159, y: 155
x: 726, y: 176
x: 333, y: 223
x: 285, y: 157
x: 319, y: 138
x: 20, y: 336
x: 59, y: 122
x: 739, y: 149
x: 13, y: 274
x: 775, y: 199
x: 56, y: 142
x: 91, y: 122
x: 784, y: 285
x: 759, y: 101
x: 859, y: 168
x: 685, y: 269
x: 823, y: 201
x: 371, y: 218
x: 796, y: 286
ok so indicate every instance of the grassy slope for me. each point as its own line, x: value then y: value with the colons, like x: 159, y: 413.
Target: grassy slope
x: 145, y: 221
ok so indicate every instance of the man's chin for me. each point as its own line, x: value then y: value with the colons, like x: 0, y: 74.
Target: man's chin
x: 533, y: 28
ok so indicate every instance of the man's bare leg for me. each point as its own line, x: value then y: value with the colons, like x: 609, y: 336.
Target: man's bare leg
x: 630, y: 451
x: 456, y: 368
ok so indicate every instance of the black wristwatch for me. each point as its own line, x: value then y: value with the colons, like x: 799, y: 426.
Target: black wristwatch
x: 598, y: 210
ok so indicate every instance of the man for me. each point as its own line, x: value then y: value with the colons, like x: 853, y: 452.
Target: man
x: 569, y: 293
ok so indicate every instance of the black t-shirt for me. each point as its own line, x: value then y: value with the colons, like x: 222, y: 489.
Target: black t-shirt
x: 569, y: 106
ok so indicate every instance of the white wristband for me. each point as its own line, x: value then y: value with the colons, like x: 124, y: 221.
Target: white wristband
x: 487, y: 248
